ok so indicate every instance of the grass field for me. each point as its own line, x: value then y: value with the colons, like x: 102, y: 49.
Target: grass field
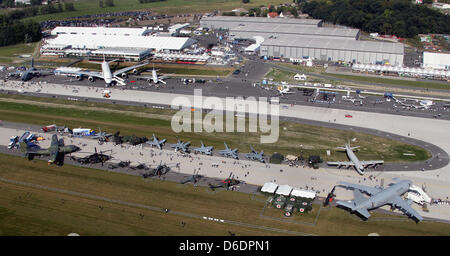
x: 394, y: 82
x: 278, y: 75
x: 142, y: 121
x: 85, y: 7
x: 370, y: 79
x: 86, y: 207
x: 10, y: 54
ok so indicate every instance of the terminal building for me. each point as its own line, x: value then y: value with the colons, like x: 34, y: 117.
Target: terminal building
x: 288, y: 38
x: 130, y: 44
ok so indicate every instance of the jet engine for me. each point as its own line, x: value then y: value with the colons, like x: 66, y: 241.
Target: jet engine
x: 135, y: 71
x: 124, y: 75
x: 79, y: 77
x: 91, y: 79
x: 30, y: 156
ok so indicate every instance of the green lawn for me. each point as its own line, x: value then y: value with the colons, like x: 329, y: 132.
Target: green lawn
x: 293, y: 138
x: 27, y: 210
x: 10, y: 54
x: 392, y: 82
x: 85, y: 7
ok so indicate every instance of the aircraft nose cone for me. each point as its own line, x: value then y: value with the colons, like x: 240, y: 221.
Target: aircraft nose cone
x: 75, y: 148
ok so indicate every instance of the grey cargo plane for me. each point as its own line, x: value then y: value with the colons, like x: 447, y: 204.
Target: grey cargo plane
x: 156, y: 143
x: 204, y: 150
x: 354, y: 161
x: 30, y: 73
x: 181, y: 146
x: 379, y: 197
x: 228, y: 152
x: 254, y: 155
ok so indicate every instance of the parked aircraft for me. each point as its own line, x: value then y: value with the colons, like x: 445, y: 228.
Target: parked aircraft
x: 56, y: 151
x: 180, y: 146
x: 354, y: 161
x: 226, y: 183
x: 102, y: 136
x: 110, y: 78
x: 192, y: 178
x: 30, y: 72
x: 379, y: 197
x: 284, y: 91
x: 204, y: 150
x: 154, y: 78
x: 227, y: 152
x: 254, y: 155
x: 155, y: 142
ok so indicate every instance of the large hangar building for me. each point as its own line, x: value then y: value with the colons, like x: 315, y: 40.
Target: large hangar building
x: 299, y: 38
x: 355, y: 51
x: 229, y: 22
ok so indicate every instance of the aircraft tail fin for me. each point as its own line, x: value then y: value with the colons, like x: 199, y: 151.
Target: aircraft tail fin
x: 364, y: 212
x: 350, y: 205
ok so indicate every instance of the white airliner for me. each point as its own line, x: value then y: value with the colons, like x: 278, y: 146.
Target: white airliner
x: 354, y: 161
x: 109, y: 77
x: 154, y: 78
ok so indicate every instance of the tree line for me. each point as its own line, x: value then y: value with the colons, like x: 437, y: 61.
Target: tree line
x: 13, y: 30
x: 391, y: 17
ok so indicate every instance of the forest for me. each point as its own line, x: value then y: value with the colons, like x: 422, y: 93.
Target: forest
x: 391, y: 17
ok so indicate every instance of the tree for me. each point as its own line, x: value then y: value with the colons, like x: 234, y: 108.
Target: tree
x: 245, y: 1
x: 69, y: 7
x: 100, y: 3
x: 109, y: 3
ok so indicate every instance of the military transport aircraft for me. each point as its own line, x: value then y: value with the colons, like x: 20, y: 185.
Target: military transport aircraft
x: 227, y: 152
x: 181, y: 146
x: 354, y: 161
x: 30, y: 72
x: 56, y: 151
x: 254, y: 155
x: 204, y: 150
x: 156, y: 143
x: 379, y: 197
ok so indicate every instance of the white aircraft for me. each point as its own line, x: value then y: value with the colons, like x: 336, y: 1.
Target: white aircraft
x: 111, y: 78
x: 354, y: 161
x: 154, y: 78
x: 284, y: 90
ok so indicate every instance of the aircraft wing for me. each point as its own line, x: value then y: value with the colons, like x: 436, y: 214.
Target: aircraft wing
x: 372, y: 162
x: 362, y: 188
x: 341, y: 163
x: 126, y: 69
x: 42, y: 72
x: 405, y: 207
x: 85, y: 73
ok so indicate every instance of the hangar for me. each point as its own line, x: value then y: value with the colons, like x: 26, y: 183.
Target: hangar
x: 246, y: 31
x: 355, y: 51
x: 228, y: 22
x: 112, y: 31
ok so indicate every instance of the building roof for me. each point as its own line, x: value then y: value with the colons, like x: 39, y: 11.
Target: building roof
x: 269, y: 187
x: 335, y: 44
x: 294, y: 29
x: 242, y: 19
x: 284, y: 190
x: 108, y: 41
x: 101, y: 31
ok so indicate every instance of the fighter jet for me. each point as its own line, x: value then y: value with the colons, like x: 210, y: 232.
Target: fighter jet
x: 193, y: 178
x: 111, y: 78
x: 379, y: 197
x: 226, y: 183
x: 354, y: 161
x: 155, y: 142
x: 254, y: 155
x: 56, y: 151
x: 180, y: 146
x: 204, y: 150
x: 102, y: 136
x: 30, y: 72
x: 227, y: 152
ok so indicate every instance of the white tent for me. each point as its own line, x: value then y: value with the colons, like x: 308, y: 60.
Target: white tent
x: 303, y: 193
x: 284, y: 190
x: 269, y: 187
